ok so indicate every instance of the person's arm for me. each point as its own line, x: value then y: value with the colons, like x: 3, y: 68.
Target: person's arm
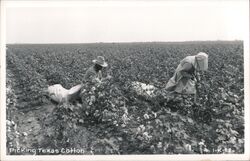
x: 91, y: 76
x: 94, y: 78
x: 186, y: 67
x: 99, y: 75
x: 102, y: 79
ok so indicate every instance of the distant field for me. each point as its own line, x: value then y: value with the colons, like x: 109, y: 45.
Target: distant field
x: 150, y: 128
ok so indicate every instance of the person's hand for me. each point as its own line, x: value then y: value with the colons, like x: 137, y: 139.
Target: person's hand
x: 106, y: 79
x: 109, y: 77
x: 194, y: 79
x: 198, y: 77
x: 97, y: 80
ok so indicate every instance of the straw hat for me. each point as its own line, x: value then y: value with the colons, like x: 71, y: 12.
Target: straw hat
x: 100, y: 61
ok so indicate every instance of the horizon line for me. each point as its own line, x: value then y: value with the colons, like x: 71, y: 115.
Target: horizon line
x: 117, y: 42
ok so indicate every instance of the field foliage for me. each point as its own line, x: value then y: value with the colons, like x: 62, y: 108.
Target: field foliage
x: 114, y: 119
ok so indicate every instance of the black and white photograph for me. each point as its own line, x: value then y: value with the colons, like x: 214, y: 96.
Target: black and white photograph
x: 143, y: 78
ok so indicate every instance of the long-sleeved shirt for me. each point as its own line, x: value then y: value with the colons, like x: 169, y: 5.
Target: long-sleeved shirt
x: 92, y: 76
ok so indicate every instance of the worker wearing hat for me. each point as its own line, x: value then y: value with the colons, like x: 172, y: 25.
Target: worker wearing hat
x: 184, y: 79
x: 93, y: 75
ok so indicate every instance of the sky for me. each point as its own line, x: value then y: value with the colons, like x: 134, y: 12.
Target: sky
x: 86, y: 22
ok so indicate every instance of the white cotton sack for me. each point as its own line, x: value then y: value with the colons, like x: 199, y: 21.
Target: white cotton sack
x: 58, y: 93
x: 75, y: 91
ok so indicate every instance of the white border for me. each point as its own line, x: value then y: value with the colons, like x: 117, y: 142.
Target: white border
x: 67, y: 3
x: 3, y: 79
